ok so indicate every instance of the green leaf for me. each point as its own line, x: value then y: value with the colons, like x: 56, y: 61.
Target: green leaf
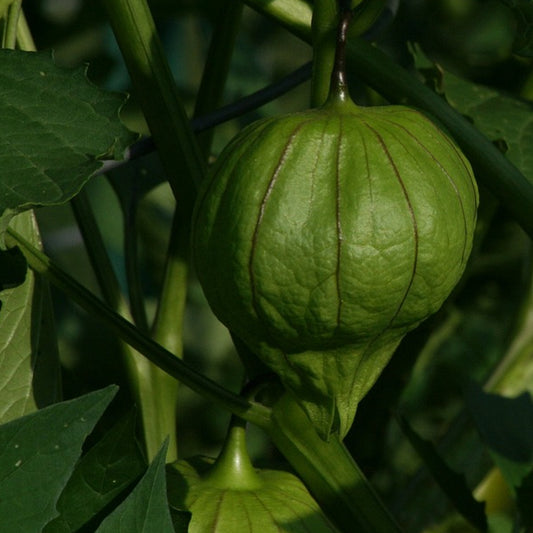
x: 29, y: 362
x: 102, y: 475
x: 56, y: 126
x: 37, y: 456
x: 145, y: 509
x: 506, y: 427
x: 505, y: 120
x: 453, y: 484
x: 499, y: 117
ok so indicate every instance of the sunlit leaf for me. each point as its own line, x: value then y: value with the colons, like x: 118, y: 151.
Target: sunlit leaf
x: 29, y: 362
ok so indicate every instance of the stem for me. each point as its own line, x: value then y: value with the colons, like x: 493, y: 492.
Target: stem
x: 168, y: 323
x: 40, y: 263
x: 24, y: 37
x: 157, y: 416
x: 178, y: 150
x: 221, y: 115
x: 217, y: 65
x: 154, y: 86
x: 329, y: 471
x: 323, y: 29
x: 135, y: 292
x: 9, y: 38
x: 339, y: 85
x: 98, y: 256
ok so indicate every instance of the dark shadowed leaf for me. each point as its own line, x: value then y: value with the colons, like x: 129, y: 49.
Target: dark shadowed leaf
x: 506, y: 427
x: 102, y: 475
x: 453, y: 484
x: 37, y: 456
x: 145, y: 510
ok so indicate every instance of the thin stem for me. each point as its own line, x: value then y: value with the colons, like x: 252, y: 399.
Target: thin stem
x: 131, y: 261
x: 96, y: 250
x: 221, y: 115
x: 168, y: 324
x: 153, y: 83
x: 24, y: 37
x: 228, y: 19
x: 9, y: 38
x: 154, y: 86
x: 324, y: 24
x: 40, y: 263
x: 338, y: 85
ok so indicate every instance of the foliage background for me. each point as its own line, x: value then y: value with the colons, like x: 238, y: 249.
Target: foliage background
x: 425, y: 382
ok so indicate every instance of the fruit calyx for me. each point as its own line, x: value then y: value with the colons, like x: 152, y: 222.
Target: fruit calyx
x: 233, y: 469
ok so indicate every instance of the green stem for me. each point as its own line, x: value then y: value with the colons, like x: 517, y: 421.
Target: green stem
x: 396, y: 84
x: 294, y: 15
x: 133, y: 280
x: 97, y: 252
x: 168, y: 324
x: 158, y: 417
x: 40, y: 263
x: 9, y: 38
x: 216, y: 66
x: 324, y: 31
x: 24, y: 37
x: 178, y: 150
x: 329, y: 471
x: 155, y: 89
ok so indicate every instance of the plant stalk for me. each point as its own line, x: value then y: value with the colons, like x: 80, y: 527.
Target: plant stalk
x: 209, y: 97
x: 42, y: 264
x: 324, y: 32
x: 153, y: 84
x: 329, y: 471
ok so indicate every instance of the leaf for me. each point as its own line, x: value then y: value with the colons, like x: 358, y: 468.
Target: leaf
x: 102, y: 474
x: 56, y: 126
x: 29, y: 369
x: 145, y: 509
x: 499, y: 117
x: 506, y: 427
x: 453, y: 484
x: 505, y: 120
x: 37, y: 456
